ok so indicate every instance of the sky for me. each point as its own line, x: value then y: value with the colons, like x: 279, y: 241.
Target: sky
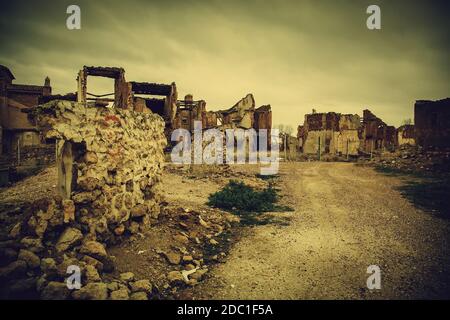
x: 294, y: 55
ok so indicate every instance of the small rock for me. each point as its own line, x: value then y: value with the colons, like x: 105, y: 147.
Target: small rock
x: 141, y: 285
x: 94, y: 249
x: 15, y: 231
x: 119, y: 230
x: 127, y: 276
x: 93, y: 262
x: 92, y: 274
x: 92, y: 291
x: 32, y: 244
x: 213, y: 242
x: 48, y: 265
x: 188, y: 259
x: 175, y: 278
x: 173, y: 257
x: 69, y: 210
x: 113, y: 286
x: 68, y: 239
x: 120, y: 294
x: 181, y: 238
x: 139, y: 210
x: 203, y: 222
x: 198, y: 275
x: 138, y: 296
x: 30, y: 258
x: 55, y: 291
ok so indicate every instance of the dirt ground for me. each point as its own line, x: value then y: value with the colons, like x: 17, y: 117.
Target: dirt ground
x: 346, y: 218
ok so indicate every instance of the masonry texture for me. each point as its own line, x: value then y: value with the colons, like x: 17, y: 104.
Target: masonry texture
x: 109, y: 163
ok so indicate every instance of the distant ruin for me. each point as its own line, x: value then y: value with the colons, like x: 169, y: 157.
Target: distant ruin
x: 432, y: 123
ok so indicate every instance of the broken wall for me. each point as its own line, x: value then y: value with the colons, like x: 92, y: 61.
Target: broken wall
x: 109, y: 164
x: 432, y: 123
x: 336, y: 133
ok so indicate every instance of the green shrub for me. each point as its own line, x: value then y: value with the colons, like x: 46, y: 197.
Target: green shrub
x: 238, y: 197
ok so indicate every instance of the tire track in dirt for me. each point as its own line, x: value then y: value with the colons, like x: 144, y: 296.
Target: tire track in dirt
x: 346, y: 218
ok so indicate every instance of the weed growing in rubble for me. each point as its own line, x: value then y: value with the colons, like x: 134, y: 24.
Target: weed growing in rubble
x: 248, y: 203
x: 238, y: 197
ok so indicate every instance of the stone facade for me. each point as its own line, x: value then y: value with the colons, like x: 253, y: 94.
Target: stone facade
x: 335, y: 133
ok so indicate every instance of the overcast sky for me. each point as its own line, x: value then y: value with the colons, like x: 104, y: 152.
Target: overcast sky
x: 294, y: 55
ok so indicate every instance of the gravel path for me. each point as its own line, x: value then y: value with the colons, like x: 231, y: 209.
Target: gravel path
x: 346, y: 218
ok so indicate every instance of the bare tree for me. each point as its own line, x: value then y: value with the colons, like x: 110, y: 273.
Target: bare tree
x: 407, y: 121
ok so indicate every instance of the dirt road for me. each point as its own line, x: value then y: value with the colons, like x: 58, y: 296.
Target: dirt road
x: 346, y: 218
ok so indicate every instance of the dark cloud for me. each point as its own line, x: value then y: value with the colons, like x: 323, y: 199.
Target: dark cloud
x: 295, y: 55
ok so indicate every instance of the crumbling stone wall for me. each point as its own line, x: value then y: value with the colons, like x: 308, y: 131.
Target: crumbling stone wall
x: 109, y: 168
x: 109, y: 163
x: 337, y: 133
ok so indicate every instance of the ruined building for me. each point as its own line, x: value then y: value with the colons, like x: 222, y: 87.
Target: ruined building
x: 15, y: 128
x: 189, y: 111
x: 376, y: 134
x: 138, y: 96
x: 406, y: 135
x: 432, y: 123
x: 330, y: 132
x: 244, y: 115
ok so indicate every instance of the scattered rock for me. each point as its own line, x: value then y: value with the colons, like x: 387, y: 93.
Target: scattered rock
x: 181, y: 238
x: 172, y: 257
x: 93, y: 262
x: 127, y: 276
x: 138, y: 296
x: 55, y: 291
x: 120, y: 294
x: 32, y: 244
x: 141, y: 285
x: 68, y: 239
x: 139, y: 210
x: 15, y: 231
x: 92, y: 274
x: 198, y: 275
x: 92, y: 291
x: 203, y: 222
x: 69, y: 210
x: 48, y: 265
x: 175, y: 278
x: 94, y: 249
x: 30, y: 258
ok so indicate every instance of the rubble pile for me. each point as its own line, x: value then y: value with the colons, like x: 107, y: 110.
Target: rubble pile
x: 414, y: 159
x: 110, y: 165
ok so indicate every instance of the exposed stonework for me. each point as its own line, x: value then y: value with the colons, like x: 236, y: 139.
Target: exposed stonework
x: 109, y: 162
x: 110, y: 165
x: 240, y: 115
x: 376, y: 134
x: 335, y: 133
